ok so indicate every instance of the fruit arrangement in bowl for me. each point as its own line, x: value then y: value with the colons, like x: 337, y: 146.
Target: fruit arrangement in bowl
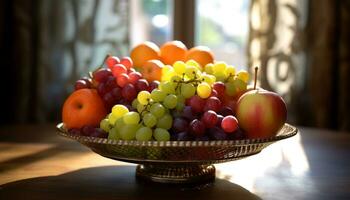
x: 173, y: 105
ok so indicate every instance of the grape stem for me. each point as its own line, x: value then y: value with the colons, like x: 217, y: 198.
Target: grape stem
x: 255, y: 76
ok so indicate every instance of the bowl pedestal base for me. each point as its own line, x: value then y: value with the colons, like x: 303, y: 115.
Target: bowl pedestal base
x: 180, y: 174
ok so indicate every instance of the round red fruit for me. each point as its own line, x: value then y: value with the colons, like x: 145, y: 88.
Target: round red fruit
x: 111, y: 61
x: 118, y: 69
x: 80, y: 84
x: 196, y: 103
x: 101, y: 75
x: 142, y: 84
x: 127, y: 62
x: 229, y: 124
x: 213, y: 103
x: 129, y: 92
x: 209, y: 118
x: 122, y: 80
x: 134, y: 77
x: 197, y: 127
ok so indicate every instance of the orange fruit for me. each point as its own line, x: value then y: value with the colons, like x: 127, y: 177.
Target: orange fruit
x: 152, y: 70
x: 83, y: 107
x: 144, y: 52
x: 173, y: 51
x: 200, y: 54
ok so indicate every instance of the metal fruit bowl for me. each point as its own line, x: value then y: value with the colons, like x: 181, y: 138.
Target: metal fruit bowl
x: 177, y: 161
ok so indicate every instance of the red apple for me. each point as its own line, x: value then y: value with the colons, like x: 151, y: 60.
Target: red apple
x: 261, y: 113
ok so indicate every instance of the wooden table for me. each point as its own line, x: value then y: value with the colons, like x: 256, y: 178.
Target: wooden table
x: 35, y: 163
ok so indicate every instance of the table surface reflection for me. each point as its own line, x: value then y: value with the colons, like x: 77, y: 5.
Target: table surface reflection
x: 35, y: 163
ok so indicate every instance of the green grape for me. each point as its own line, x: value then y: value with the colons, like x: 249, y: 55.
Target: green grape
x: 134, y: 103
x: 230, y: 89
x: 181, y: 99
x: 204, y: 90
x: 230, y: 70
x: 191, y: 72
x: 167, y: 87
x: 143, y: 97
x: 166, y: 69
x: 194, y: 64
x: 104, y: 124
x: 209, y: 68
x: 113, y: 134
x: 158, y: 95
x: 220, y: 76
x: 128, y: 132
x: 170, y: 101
x: 161, y: 134
x: 112, y: 119
x: 165, y: 122
x: 140, y: 107
x: 168, y: 75
x: 179, y: 67
x: 180, y: 106
x: 119, y: 123
x: 119, y: 110
x: 210, y: 79
x: 144, y: 134
x: 240, y: 85
x: 243, y: 75
x: 175, y: 79
x: 219, y: 67
x: 157, y: 110
x: 131, y: 118
x: 149, y: 120
x: 187, y: 90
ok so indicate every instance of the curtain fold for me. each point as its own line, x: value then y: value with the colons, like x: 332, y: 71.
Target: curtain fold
x: 302, y: 48
x: 50, y: 45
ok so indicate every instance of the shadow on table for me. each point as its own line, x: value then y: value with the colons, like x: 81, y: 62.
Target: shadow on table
x: 115, y: 182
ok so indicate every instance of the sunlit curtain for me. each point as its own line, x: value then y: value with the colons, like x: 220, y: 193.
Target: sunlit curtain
x: 52, y: 43
x: 302, y: 49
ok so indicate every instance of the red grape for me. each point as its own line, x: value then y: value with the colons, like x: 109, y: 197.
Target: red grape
x: 214, y: 93
x: 129, y: 92
x: 134, y: 77
x: 127, y: 62
x: 118, y: 69
x: 219, y: 87
x: 142, y: 84
x: 213, y: 103
x: 153, y: 85
x: 226, y: 111
x: 116, y: 93
x: 188, y: 114
x: 87, y: 130
x: 108, y: 99
x: 217, y: 133
x: 110, y: 83
x: 88, y: 81
x: 98, y: 132
x: 183, y: 136
x: 101, y: 89
x: 102, y: 74
x: 80, y: 84
x: 122, y: 80
x: 229, y: 124
x: 75, y: 131
x: 231, y: 104
x: 131, y: 70
x: 111, y: 61
x: 220, y: 118
x: 196, y: 103
x: 197, y: 127
x: 179, y: 125
x: 209, y: 118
